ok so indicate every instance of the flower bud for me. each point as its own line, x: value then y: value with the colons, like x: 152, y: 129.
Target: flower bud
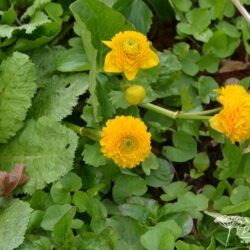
x: 135, y: 94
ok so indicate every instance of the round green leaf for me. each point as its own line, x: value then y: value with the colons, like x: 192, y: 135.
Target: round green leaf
x: 128, y: 185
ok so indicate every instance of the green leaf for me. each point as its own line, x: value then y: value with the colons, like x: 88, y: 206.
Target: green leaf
x: 37, y: 5
x: 14, y: 218
x: 237, y: 208
x: 92, y: 155
x: 35, y: 220
x: 229, y: 29
x: 209, y: 62
x: 239, y: 194
x: 201, y: 162
x: 129, y: 230
x: 206, y: 87
x: 17, y: 88
x: 117, y: 98
x: 134, y: 185
x: 157, y: 124
x: 181, y: 245
x: 221, y: 45
x: 92, y: 241
x: 105, y: 107
x: 62, y: 230
x: 58, y: 95
x: 54, y: 10
x: 186, y: 99
x: 130, y: 10
x: 91, y: 52
x: 194, y: 174
x: 189, y: 63
x: 36, y: 242
x: 197, y: 21
x: 161, y: 176
x: 191, y: 127
x: 183, y: 6
x: 149, y: 163
x: 73, y: 59
x: 82, y: 201
x: 47, y: 33
x: 46, y: 148
x: 163, y: 9
x: 45, y: 61
x: 198, y: 14
x: 174, y: 189
x: 40, y: 200
x: 53, y: 214
x: 169, y: 62
x: 199, y: 202
x: 162, y: 236
x: 184, y: 221
x: 142, y: 209
x: 103, y: 24
x: 9, y: 16
x: 230, y: 164
x: 138, y: 212
x: 60, y: 190
x: 37, y: 20
x: 96, y: 210
x: 243, y: 25
x: 185, y: 147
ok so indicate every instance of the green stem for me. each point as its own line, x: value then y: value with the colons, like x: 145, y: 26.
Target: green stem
x: 206, y: 112
x: 160, y: 110
x: 84, y: 132
x: 178, y: 115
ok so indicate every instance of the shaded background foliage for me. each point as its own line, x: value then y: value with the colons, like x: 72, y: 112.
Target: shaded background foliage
x: 52, y: 71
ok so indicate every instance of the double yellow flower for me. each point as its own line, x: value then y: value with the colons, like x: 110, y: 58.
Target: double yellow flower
x: 130, y: 52
x: 234, y: 118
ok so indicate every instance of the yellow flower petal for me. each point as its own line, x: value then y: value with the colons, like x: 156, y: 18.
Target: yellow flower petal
x: 126, y: 141
x: 130, y: 75
x: 108, y: 43
x: 130, y: 52
x: 151, y: 61
x: 110, y: 65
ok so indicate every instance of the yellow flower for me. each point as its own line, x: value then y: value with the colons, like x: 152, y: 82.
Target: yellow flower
x: 232, y: 94
x: 234, y: 118
x: 125, y: 140
x: 130, y: 52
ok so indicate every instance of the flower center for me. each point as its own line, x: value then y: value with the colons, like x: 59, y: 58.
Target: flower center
x: 131, y: 46
x: 128, y: 145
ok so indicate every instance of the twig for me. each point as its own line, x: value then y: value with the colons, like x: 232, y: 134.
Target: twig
x: 242, y: 10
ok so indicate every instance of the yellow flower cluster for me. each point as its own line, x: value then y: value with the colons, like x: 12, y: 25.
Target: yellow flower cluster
x: 234, y: 118
x: 130, y: 52
x: 125, y: 140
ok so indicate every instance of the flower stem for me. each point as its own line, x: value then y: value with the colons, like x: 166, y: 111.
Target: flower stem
x: 179, y: 115
x: 206, y: 112
x: 160, y: 110
x: 84, y: 132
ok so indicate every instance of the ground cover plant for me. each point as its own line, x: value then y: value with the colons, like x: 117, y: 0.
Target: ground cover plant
x: 124, y: 124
